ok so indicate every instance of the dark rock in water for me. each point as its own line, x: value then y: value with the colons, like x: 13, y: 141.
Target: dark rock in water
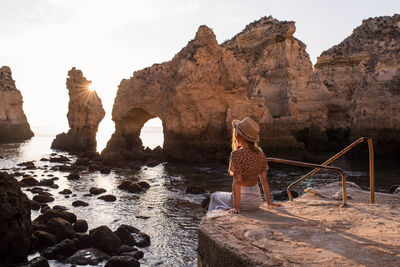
x: 284, y: 196
x: 134, y: 254
x: 140, y: 239
x: 87, y: 195
x: 125, y: 236
x: 152, y: 162
x: 18, y: 174
x: 95, y: 167
x: 28, y: 181
x: 39, y: 262
x: 26, y: 164
x: 46, y: 182
x: 144, y: 185
x: 45, y: 239
x: 43, y: 219
x: 59, y: 207
x: 37, y: 190
x: 35, y: 205
x: 88, y: 256
x: 125, y: 184
x: 89, y: 154
x: 73, y: 176
x: 393, y: 189
x: 134, y: 188
x: 82, y: 162
x: 64, y: 168
x: 44, y: 159
x: 195, y: 190
x: 44, y: 208
x: 65, y: 192
x: 84, y: 240
x: 108, y: 198
x: 205, y: 202
x: 62, y: 250
x: 61, y: 228
x: 81, y: 226
x: 80, y: 203
x: 113, y: 159
x: 97, y: 191
x: 105, y: 170
x: 126, y: 248
x: 59, y: 159
x: 43, y: 198
x: 15, y: 221
x: 104, y: 239
x: 122, y: 261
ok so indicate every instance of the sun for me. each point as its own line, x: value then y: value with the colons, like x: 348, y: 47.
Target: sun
x: 91, y: 88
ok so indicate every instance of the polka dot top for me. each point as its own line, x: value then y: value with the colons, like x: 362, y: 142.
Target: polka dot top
x: 248, y: 162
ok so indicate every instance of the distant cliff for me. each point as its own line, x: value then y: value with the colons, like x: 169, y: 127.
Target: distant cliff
x: 264, y: 72
x: 85, y: 112
x: 13, y: 123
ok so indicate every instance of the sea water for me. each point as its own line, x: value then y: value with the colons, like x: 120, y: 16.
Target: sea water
x: 165, y: 211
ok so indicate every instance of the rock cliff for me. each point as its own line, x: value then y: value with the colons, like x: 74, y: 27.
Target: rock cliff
x: 13, y: 123
x: 264, y: 72
x: 85, y: 112
x: 15, y: 222
x: 363, y: 75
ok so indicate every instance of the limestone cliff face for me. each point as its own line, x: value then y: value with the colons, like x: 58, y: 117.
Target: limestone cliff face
x: 13, y: 123
x: 196, y: 95
x: 363, y: 74
x: 85, y: 112
x: 279, y: 70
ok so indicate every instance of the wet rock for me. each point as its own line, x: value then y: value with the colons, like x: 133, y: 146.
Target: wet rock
x: 26, y: 164
x: 84, y: 240
x: 284, y: 196
x: 15, y: 221
x: 64, y: 168
x: 124, y: 185
x: 97, y: 191
x: 122, y: 261
x: 38, y: 190
x: 73, y: 176
x: 16, y: 174
x: 87, y: 195
x: 28, y: 181
x: 393, y: 189
x: 88, y: 256
x: 134, y: 254
x: 125, y: 236
x: 65, y: 192
x: 108, y: 198
x: 113, y: 159
x: 95, y: 167
x: 126, y: 248
x: 61, y: 228
x: 80, y: 203
x: 105, y: 170
x: 46, y: 182
x: 45, y: 239
x: 35, y: 205
x: 141, y: 239
x: 81, y: 226
x: 41, y: 221
x: 44, y: 159
x: 152, y: 162
x: 195, y: 190
x: 144, y: 185
x: 134, y: 188
x: 82, y: 162
x: 59, y: 207
x: 104, y: 239
x: 44, y: 208
x: 59, y: 159
x: 43, y: 198
x: 62, y: 250
x: 89, y: 154
x: 39, y: 262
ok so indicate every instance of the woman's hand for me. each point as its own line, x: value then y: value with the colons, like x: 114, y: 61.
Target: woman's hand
x: 233, y: 211
x: 274, y: 204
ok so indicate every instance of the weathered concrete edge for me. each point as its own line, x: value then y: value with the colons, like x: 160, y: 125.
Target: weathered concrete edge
x: 214, y: 250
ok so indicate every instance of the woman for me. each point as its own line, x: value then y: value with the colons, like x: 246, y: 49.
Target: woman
x: 246, y: 164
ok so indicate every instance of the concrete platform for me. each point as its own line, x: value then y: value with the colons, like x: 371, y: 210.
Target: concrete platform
x: 310, y: 231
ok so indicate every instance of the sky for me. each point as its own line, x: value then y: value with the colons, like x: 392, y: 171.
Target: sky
x: 108, y: 40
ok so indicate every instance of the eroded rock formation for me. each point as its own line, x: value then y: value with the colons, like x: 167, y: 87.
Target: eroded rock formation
x: 266, y: 73
x: 85, y: 112
x: 13, y: 123
x: 15, y: 222
x: 363, y: 75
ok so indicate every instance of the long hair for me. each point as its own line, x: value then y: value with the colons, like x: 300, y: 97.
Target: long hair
x: 235, y: 144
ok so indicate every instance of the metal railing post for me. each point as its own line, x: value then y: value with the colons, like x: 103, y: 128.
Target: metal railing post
x: 371, y: 172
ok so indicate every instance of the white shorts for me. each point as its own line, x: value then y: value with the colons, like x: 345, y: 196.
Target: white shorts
x: 250, y: 199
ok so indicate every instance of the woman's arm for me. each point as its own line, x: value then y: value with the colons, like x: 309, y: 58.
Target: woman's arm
x: 267, y: 194
x: 236, y: 190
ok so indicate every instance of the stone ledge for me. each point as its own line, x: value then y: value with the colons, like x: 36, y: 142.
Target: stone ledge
x: 310, y: 231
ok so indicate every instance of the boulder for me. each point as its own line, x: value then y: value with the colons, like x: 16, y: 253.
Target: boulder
x: 28, y: 181
x: 81, y: 226
x: 61, y: 251
x: 97, y: 191
x: 105, y: 170
x: 65, y: 192
x: 85, y: 112
x: 122, y: 261
x: 84, y: 240
x: 61, y: 228
x: 45, y: 239
x: 80, y: 203
x: 195, y: 190
x: 43, y: 198
x: 88, y: 256
x: 15, y: 221
x: 134, y: 254
x: 108, y: 198
x: 41, y: 221
x: 104, y: 239
x: 73, y: 176
x: 39, y: 262
x: 144, y: 185
x: 59, y: 159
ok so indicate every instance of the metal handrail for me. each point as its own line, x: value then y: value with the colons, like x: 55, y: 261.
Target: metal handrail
x: 332, y: 159
x: 317, y: 166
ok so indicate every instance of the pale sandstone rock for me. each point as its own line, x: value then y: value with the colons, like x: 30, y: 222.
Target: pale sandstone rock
x: 13, y: 123
x: 309, y: 231
x: 85, y: 112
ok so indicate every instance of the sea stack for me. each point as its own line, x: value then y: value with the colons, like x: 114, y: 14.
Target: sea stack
x: 85, y: 112
x: 13, y: 123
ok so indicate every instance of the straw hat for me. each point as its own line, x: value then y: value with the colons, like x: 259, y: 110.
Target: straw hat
x: 247, y: 128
